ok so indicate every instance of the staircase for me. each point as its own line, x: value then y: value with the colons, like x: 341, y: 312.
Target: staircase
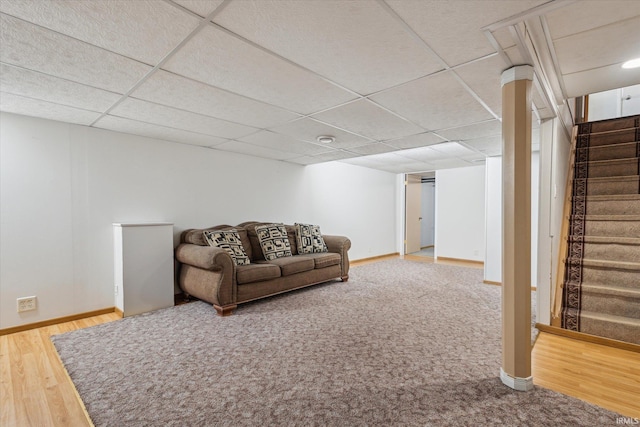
x: 601, y: 290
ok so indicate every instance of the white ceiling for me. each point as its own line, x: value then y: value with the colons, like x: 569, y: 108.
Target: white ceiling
x: 403, y: 85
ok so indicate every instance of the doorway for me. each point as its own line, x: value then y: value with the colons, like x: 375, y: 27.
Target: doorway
x: 420, y: 214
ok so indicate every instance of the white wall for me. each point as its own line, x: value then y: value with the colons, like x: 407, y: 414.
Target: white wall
x: 555, y: 150
x: 493, y: 259
x: 614, y: 103
x: 460, y: 213
x: 493, y: 253
x: 63, y: 185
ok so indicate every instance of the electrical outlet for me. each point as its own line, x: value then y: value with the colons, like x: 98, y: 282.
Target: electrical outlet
x: 26, y: 304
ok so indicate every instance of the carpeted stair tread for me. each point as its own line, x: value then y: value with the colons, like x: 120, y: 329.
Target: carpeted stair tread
x: 616, y: 265
x: 622, y: 240
x: 608, y: 248
x: 614, y: 204
x: 608, y: 138
x: 613, y: 290
x: 622, y: 150
x: 609, y: 168
x: 628, y: 184
x: 609, y: 125
x: 613, y: 218
x: 612, y: 197
x: 613, y: 318
x: 611, y: 300
x: 613, y: 327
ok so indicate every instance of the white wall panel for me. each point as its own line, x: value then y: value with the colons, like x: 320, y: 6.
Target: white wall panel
x: 64, y: 185
x: 460, y: 213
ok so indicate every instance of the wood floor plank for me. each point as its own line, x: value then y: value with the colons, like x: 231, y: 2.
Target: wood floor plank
x: 605, y: 376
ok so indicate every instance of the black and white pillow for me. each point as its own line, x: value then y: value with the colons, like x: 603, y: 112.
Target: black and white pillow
x: 273, y: 241
x: 229, y: 240
x: 309, y: 239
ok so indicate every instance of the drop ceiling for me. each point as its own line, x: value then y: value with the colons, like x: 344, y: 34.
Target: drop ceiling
x: 403, y: 85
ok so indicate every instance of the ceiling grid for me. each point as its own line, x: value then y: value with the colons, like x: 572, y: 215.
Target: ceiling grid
x: 403, y: 86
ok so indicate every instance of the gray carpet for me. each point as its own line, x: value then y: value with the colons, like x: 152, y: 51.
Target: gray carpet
x: 401, y: 343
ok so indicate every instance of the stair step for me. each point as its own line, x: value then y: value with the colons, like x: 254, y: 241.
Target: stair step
x: 611, y: 300
x: 616, y: 204
x: 608, y: 152
x: 607, y: 138
x: 613, y: 185
x: 608, y: 168
x: 611, y: 225
x: 609, y: 124
x: 606, y: 248
x: 612, y: 204
x: 602, y: 273
x: 615, y: 327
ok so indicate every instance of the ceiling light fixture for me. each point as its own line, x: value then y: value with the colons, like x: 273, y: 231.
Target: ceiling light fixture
x: 326, y: 139
x: 633, y: 63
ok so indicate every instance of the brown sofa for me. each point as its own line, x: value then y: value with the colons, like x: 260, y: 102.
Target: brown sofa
x: 209, y: 273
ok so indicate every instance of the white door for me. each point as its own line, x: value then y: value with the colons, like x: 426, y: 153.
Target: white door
x: 413, y: 215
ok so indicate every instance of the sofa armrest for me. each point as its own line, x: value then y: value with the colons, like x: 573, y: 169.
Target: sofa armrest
x: 339, y: 245
x: 206, y: 257
x: 207, y: 273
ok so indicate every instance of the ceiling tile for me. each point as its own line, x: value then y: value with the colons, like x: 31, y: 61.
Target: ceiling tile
x: 372, y: 148
x: 221, y: 60
x: 179, y: 119
x: 514, y: 54
x: 145, y: 30
x: 177, y: 91
x: 201, y: 7
x: 413, y: 141
x: 503, y: 37
x: 36, y: 48
x: 589, y: 14
x: 422, y: 154
x: 133, y: 127
x: 307, y: 129
x: 333, y: 155
x: 32, y: 84
x: 483, y: 77
x: 365, y: 161
x: 600, y: 47
x: 47, y: 110
x: 477, y: 130
x: 434, y: 102
x: 356, y: 44
x: 599, y: 80
x: 281, y: 142
x: 254, y: 150
x: 366, y: 118
x: 453, y: 28
x: 489, y: 144
x: 451, y: 163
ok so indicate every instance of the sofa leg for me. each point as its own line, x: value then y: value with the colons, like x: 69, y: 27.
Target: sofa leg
x: 226, y: 310
x: 345, y: 278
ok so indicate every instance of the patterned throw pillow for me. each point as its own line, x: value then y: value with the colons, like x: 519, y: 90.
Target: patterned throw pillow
x: 273, y: 241
x: 229, y: 240
x: 309, y: 239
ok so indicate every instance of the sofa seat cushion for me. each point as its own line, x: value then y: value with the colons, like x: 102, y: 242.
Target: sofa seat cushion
x: 326, y: 259
x: 256, y: 273
x: 293, y: 264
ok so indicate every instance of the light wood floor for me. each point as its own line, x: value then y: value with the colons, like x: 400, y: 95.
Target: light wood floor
x: 36, y: 390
